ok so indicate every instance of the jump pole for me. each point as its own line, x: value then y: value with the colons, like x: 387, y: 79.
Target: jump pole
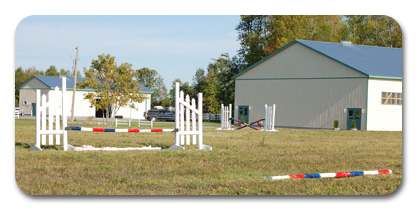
x: 331, y: 175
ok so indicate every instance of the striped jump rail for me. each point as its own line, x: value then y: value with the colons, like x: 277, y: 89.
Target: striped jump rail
x: 120, y: 130
x: 331, y: 175
x: 247, y: 125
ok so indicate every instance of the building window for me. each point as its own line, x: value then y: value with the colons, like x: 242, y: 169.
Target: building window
x: 391, y: 98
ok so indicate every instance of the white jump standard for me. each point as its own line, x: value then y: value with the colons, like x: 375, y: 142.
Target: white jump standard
x: 225, y: 117
x: 269, y: 124
x: 180, y: 132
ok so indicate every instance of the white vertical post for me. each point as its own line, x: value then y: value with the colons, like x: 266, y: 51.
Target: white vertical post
x: 269, y: 117
x: 116, y: 122
x: 200, y: 135
x: 266, y: 118
x: 50, y: 114
x: 222, y: 116
x: 193, y: 122
x: 64, y: 112
x: 177, y: 110
x: 273, y: 117
x: 188, y: 120
x: 229, y: 115
x: 57, y: 116
x: 38, y: 118
x: 129, y: 122
x: 43, y: 118
x: 182, y: 119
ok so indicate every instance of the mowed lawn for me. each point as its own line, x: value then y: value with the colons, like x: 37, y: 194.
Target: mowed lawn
x: 238, y: 164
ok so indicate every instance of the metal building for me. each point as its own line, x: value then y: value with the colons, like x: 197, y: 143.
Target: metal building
x: 315, y: 83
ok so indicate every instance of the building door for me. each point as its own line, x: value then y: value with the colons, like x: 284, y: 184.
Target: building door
x: 33, y: 105
x: 244, y: 113
x: 354, y: 114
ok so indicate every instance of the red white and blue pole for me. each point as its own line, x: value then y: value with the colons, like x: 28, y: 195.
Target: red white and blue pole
x: 119, y: 130
x: 331, y: 175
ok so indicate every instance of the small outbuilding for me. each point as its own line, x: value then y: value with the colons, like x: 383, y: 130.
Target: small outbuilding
x: 47, y: 84
x: 315, y: 83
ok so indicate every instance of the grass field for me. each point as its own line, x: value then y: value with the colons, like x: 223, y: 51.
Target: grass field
x: 237, y: 165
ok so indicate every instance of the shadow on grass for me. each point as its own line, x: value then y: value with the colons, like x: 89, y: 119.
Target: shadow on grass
x: 163, y: 146
x: 27, y: 146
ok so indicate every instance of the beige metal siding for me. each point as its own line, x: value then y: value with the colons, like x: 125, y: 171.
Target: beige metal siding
x: 307, y: 103
x: 298, y: 61
x: 28, y: 93
x: 309, y: 89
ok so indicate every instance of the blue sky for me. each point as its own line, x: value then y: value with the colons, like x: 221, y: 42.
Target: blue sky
x: 175, y: 46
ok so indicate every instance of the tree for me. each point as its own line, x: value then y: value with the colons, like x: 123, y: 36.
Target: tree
x: 217, y: 84
x: 67, y: 73
x: 21, y: 76
x: 253, y: 35
x: 52, y: 71
x: 375, y: 30
x: 184, y: 86
x: 115, y: 86
x: 198, y: 80
x: 151, y: 79
x: 19, y: 79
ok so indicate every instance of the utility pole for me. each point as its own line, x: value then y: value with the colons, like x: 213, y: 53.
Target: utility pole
x: 74, y: 85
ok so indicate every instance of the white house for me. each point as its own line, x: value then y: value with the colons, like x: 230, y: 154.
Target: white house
x: 82, y: 109
x: 315, y: 83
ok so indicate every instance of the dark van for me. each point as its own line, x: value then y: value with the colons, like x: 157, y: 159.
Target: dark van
x: 160, y: 115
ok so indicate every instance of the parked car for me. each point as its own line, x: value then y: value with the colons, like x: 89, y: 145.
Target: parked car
x: 160, y: 115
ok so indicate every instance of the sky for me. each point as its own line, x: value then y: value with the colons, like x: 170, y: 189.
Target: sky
x: 174, y: 45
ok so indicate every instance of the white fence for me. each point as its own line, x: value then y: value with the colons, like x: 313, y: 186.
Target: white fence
x: 54, y: 112
x: 145, y: 123
x: 123, y: 122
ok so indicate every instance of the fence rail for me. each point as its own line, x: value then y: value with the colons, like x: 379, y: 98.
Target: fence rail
x: 211, y: 117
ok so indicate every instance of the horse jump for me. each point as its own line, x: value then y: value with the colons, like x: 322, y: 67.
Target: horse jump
x: 179, y: 130
x: 225, y: 117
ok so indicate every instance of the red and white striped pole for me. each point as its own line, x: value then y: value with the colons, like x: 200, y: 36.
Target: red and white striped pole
x: 331, y: 175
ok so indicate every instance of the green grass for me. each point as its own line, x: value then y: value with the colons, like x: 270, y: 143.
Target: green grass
x: 237, y: 165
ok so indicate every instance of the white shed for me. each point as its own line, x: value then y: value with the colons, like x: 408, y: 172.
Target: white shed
x: 47, y: 84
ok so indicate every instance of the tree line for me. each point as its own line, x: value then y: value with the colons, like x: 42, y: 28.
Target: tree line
x: 22, y: 75
x: 259, y: 36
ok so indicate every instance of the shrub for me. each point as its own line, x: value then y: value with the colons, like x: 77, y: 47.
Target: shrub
x: 353, y: 124
x: 336, y: 124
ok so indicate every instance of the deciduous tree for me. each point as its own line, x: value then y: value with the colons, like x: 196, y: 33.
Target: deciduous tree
x: 115, y: 86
